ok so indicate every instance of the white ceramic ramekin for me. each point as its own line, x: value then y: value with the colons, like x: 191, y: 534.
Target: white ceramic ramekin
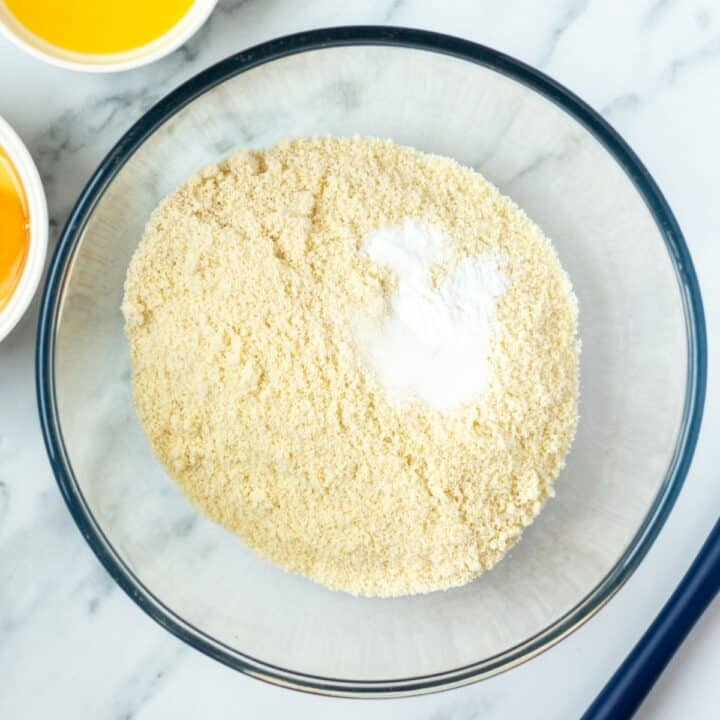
x: 110, y: 62
x: 37, y: 209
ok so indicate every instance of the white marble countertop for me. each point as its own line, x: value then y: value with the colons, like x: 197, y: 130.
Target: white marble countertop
x: 73, y: 645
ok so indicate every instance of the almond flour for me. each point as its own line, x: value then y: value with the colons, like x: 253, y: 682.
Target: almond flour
x: 241, y: 306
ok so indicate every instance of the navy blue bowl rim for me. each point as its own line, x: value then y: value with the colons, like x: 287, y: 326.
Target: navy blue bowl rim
x: 423, y: 41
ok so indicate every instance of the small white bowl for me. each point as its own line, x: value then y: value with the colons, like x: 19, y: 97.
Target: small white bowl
x: 188, y: 25
x: 38, y: 235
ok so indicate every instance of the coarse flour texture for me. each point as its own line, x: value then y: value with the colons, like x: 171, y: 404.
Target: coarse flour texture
x: 242, y: 304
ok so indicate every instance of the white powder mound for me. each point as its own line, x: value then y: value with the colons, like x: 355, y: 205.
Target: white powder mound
x: 433, y: 344
x: 265, y: 401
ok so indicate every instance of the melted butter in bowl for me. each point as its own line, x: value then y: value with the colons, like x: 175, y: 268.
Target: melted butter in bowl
x: 88, y: 26
x: 105, y: 36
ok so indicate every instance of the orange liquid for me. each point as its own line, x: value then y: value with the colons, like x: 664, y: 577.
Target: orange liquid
x: 99, y: 26
x: 14, y: 231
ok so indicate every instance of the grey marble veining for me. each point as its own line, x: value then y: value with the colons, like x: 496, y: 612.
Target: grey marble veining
x: 73, y: 645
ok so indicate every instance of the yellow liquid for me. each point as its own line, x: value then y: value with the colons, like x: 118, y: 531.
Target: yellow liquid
x: 14, y: 235
x: 99, y: 26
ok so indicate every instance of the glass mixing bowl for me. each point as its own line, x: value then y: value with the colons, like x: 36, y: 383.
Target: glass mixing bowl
x: 642, y: 383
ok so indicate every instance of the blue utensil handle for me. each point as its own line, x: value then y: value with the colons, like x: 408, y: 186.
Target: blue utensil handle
x: 627, y: 688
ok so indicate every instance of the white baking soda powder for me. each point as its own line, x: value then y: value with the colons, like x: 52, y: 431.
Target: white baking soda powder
x: 433, y: 343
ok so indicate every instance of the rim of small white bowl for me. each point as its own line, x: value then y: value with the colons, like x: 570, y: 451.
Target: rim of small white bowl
x: 420, y: 40
x: 23, y: 163
x: 178, y: 34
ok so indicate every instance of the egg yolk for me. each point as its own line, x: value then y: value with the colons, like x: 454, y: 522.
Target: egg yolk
x: 98, y: 26
x: 14, y: 233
